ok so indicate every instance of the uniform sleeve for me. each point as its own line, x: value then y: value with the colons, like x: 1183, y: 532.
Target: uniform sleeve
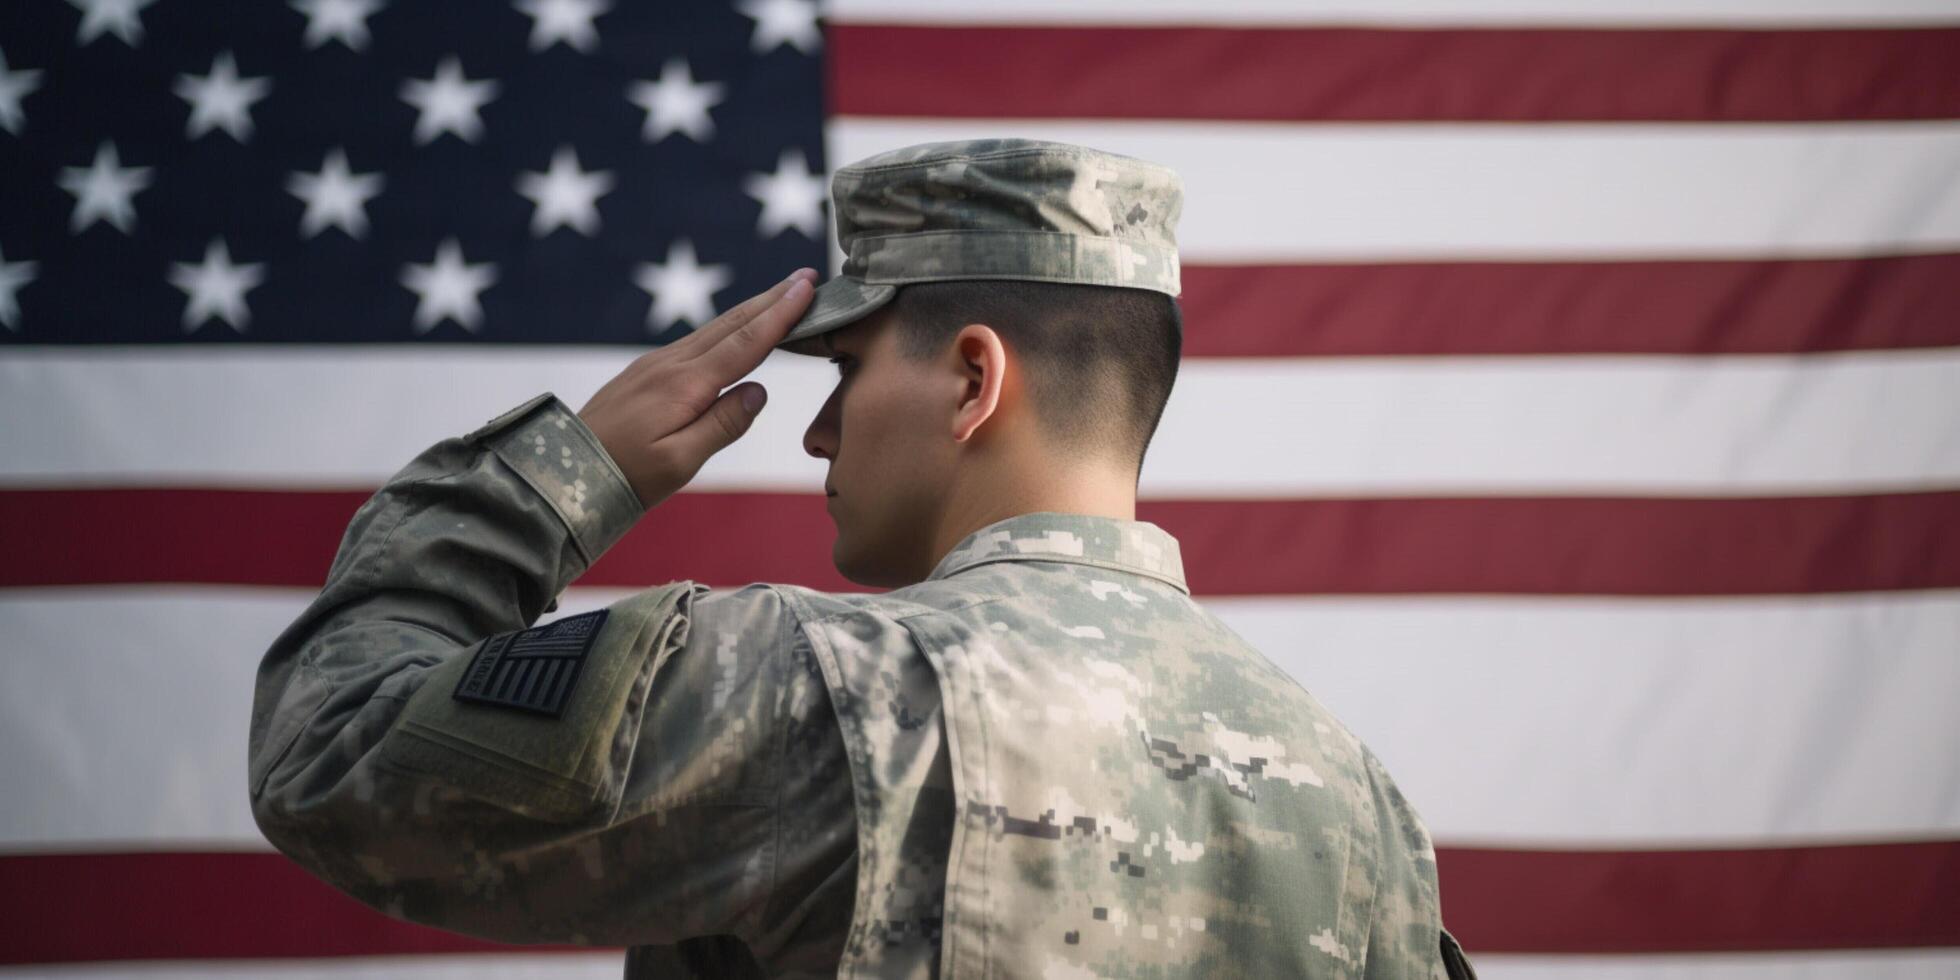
x: 613, y: 778
x: 1405, y: 936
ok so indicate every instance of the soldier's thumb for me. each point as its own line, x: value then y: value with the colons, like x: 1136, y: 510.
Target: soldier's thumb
x: 724, y: 422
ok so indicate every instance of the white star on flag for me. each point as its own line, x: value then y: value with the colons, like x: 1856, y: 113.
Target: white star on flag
x: 676, y: 103
x: 216, y: 287
x: 221, y: 99
x: 447, y: 287
x: 14, y: 86
x: 13, y: 275
x: 103, y: 190
x: 682, y: 288
x: 778, y: 22
x: 121, y: 17
x: 792, y: 197
x: 337, y: 20
x: 569, y: 21
x: 335, y: 196
x: 448, y: 102
x: 565, y: 195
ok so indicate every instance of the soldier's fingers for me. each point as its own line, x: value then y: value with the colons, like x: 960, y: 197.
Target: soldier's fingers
x: 725, y: 421
x: 704, y: 336
x: 738, y: 352
x: 736, y: 317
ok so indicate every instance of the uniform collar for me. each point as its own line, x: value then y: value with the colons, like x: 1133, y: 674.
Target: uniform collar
x: 1106, y: 542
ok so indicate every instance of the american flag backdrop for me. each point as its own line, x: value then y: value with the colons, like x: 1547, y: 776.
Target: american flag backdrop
x: 1571, y: 402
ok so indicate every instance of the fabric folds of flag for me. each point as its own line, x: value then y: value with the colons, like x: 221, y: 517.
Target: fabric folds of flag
x: 1569, y: 403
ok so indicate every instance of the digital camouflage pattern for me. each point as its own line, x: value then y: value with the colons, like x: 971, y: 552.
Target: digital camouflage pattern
x: 994, y: 209
x: 1045, y: 760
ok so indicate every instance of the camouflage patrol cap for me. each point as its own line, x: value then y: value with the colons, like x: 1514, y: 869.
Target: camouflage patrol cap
x: 993, y: 209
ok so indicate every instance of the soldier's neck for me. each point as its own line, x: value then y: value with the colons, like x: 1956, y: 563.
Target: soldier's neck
x: 1005, y: 492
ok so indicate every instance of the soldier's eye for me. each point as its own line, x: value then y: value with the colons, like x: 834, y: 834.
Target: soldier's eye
x: 840, y: 360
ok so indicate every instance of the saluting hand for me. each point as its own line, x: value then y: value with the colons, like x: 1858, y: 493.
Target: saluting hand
x: 664, y: 415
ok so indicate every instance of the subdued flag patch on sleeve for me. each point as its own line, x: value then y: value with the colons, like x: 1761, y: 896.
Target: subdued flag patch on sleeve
x: 534, y: 669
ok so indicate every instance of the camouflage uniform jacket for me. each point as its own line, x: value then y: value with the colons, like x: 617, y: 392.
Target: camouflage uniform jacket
x: 1045, y: 760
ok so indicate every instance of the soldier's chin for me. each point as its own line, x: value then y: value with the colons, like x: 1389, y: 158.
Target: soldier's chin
x: 849, y: 564
x: 860, y: 566
x: 841, y: 555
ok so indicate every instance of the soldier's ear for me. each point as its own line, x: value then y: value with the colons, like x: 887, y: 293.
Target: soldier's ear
x: 983, y: 372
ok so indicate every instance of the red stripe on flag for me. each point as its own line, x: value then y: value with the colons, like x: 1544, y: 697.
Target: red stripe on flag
x: 1675, y: 307
x: 1500, y: 545
x: 1856, y: 896
x: 1509, y: 75
x: 1567, y: 545
x: 63, y: 908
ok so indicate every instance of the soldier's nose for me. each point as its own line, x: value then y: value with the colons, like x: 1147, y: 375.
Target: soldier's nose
x: 820, y: 437
x: 813, y: 445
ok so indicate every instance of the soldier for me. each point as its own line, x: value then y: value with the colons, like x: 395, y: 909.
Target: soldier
x: 1035, y: 756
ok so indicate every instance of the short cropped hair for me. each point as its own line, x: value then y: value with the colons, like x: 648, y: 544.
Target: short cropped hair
x: 1099, y: 360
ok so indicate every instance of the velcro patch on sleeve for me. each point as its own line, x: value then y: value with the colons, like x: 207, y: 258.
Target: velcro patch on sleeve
x: 532, y: 670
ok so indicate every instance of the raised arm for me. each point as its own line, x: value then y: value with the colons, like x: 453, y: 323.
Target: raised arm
x: 612, y: 778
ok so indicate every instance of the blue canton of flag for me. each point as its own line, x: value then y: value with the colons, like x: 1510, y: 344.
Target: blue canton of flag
x: 328, y: 171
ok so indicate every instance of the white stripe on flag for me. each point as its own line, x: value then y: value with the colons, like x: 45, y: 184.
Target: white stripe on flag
x: 1290, y: 192
x: 1636, y: 722
x: 1715, y: 426
x: 1570, y: 722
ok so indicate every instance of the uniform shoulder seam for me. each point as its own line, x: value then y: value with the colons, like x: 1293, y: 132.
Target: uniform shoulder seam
x: 925, y: 610
x: 791, y: 626
x: 895, y: 609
